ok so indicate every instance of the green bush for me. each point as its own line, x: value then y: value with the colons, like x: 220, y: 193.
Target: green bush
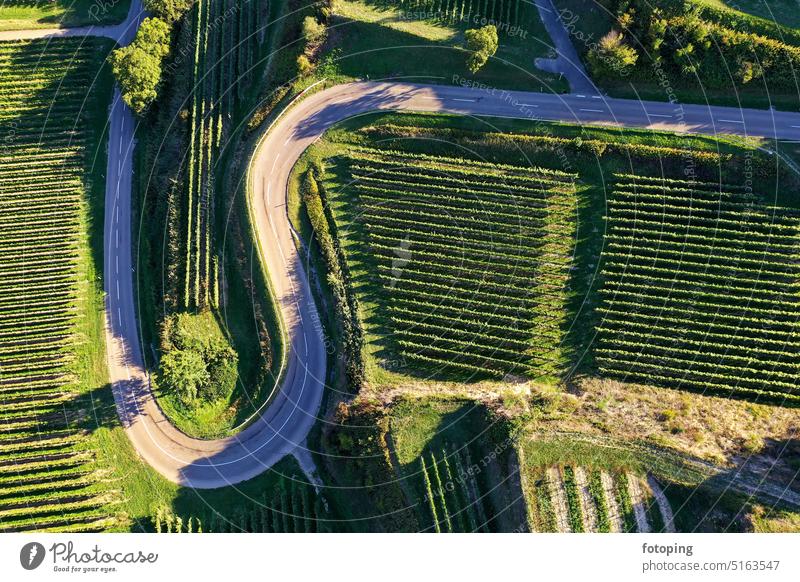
x: 313, y: 30
x: 197, y: 363
x: 482, y: 42
x: 184, y: 372
x: 346, y: 303
x: 612, y: 57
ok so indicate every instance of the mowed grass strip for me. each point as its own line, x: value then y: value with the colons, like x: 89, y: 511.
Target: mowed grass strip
x: 49, y: 140
x: 700, y: 290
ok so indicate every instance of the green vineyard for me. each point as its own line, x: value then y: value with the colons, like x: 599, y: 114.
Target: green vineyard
x: 700, y: 289
x: 453, y: 498
x: 472, y: 259
x: 292, y: 506
x: 227, y: 36
x: 51, y: 147
x: 499, y: 12
x: 580, y: 499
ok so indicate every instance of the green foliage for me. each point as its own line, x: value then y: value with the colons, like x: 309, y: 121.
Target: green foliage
x: 168, y: 10
x: 346, y: 303
x: 313, y: 30
x: 137, y: 67
x: 407, y: 203
x: 597, y: 493
x: 612, y: 57
x: 196, y: 364
x: 483, y: 43
x: 573, y: 500
x: 184, y: 372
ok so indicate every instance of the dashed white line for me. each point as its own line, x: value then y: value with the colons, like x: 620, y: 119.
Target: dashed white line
x: 592, y: 110
x: 597, y: 96
x: 730, y: 121
x: 581, y: 96
x: 658, y: 115
x: 528, y: 105
x: 465, y: 100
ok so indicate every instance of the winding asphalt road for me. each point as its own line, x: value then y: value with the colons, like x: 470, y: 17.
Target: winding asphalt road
x: 284, y: 425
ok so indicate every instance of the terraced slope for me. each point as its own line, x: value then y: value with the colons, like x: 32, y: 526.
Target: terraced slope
x: 701, y: 289
x: 47, y: 91
x: 472, y: 259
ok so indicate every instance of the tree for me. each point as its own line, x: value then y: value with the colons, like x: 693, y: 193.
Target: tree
x: 137, y: 67
x: 483, y: 43
x: 168, y: 10
x: 185, y: 373
x: 612, y: 57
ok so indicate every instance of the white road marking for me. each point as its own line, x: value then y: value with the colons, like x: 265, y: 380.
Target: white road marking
x: 658, y: 115
x: 730, y: 121
x: 597, y: 96
x: 581, y: 96
x: 795, y: 126
x: 527, y: 105
x: 465, y: 100
x: 593, y: 110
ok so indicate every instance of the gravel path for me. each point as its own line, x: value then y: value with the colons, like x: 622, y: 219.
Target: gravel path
x: 637, y: 500
x: 588, y: 508
x: 559, y: 500
x: 614, y: 515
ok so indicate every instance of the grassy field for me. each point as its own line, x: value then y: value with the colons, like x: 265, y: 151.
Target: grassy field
x: 422, y: 43
x: 26, y: 14
x: 780, y: 12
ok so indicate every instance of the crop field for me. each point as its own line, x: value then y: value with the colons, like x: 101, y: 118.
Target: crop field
x: 47, y: 479
x: 227, y: 35
x: 471, y: 259
x: 453, y: 463
x: 289, y: 506
x: 700, y: 289
x: 579, y: 499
